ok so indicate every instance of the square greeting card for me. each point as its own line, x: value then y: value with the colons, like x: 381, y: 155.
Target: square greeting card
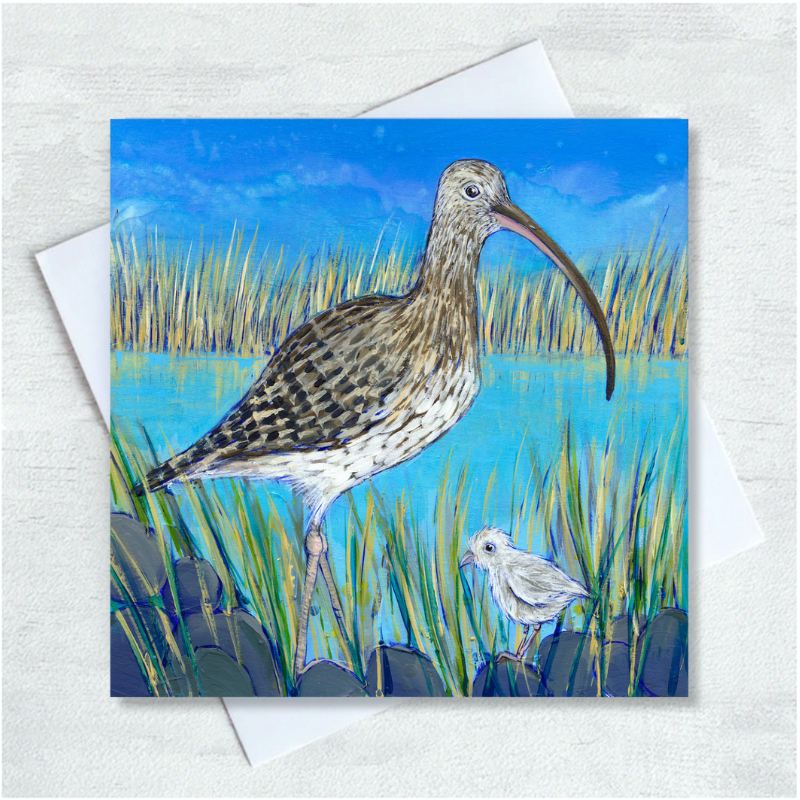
x: 399, y: 408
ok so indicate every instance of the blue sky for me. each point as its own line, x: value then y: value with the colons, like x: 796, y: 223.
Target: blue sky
x: 594, y: 185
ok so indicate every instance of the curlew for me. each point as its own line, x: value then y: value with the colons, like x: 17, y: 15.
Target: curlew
x: 372, y: 382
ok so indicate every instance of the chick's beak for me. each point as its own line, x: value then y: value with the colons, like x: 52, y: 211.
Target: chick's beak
x: 467, y: 559
x: 512, y: 218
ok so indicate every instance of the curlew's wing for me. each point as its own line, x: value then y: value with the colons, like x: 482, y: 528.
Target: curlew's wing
x: 327, y: 383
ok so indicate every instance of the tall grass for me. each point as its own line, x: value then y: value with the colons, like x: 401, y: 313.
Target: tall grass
x: 620, y: 529
x: 438, y: 612
x: 255, y: 548
x: 237, y: 299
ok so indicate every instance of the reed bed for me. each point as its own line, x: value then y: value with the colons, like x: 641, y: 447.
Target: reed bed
x: 235, y: 299
x: 620, y: 529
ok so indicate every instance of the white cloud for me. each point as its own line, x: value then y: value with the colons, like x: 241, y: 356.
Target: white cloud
x: 643, y: 200
x: 589, y: 182
x: 410, y: 196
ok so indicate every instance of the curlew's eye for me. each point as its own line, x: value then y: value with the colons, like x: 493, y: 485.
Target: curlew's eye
x: 489, y: 547
x: 471, y: 191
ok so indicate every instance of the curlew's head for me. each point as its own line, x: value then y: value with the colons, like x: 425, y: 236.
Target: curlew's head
x: 472, y: 202
x: 467, y: 194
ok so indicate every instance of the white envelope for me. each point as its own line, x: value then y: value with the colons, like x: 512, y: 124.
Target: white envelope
x: 519, y: 83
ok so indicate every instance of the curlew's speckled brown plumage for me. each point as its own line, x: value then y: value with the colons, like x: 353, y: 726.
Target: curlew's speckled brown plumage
x: 372, y: 382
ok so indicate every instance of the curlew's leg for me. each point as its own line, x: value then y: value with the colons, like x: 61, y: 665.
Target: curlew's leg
x: 314, y: 545
x: 336, y: 604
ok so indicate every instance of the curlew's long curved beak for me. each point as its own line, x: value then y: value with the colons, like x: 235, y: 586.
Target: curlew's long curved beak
x: 515, y: 219
x: 467, y: 559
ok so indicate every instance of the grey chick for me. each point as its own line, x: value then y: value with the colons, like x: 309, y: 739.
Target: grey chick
x: 529, y: 590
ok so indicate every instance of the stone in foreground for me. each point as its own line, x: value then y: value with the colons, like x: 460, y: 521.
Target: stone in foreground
x: 507, y: 676
x: 198, y: 585
x: 240, y: 636
x: 398, y: 671
x: 138, y: 570
x: 220, y: 676
x: 326, y: 679
x: 664, y: 647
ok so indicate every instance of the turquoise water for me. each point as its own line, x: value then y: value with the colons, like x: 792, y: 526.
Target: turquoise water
x: 523, y: 404
x: 524, y: 400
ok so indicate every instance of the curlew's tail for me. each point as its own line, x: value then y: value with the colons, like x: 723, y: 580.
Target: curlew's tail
x: 164, y: 474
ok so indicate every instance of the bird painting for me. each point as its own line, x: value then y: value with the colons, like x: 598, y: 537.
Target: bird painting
x: 372, y: 382
x: 528, y: 589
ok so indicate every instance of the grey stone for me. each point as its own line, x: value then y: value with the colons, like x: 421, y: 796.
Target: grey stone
x: 136, y: 558
x: 221, y: 676
x: 618, y: 629
x: 560, y: 656
x: 506, y: 676
x: 397, y: 671
x: 618, y: 669
x: 241, y: 636
x: 325, y: 679
x: 127, y: 677
x: 557, y: 655
x: 150, y: 627
x: 664, y: 646
x: 198, y: 586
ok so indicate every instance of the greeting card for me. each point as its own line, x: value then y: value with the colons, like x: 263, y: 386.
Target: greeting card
x: 399, y: 407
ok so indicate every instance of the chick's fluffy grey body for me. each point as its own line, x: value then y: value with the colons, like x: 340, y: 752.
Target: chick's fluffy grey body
x: 531, y: 590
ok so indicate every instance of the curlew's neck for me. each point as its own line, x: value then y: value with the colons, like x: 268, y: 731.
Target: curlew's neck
x: 445, y: 295
x: 449, y: 269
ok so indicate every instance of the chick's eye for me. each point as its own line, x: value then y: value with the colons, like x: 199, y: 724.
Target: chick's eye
x: 472, y: 190
x: 489, y: 548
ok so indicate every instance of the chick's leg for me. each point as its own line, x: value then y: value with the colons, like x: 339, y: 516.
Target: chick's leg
x: 527, y: 641
x: 523, y: 644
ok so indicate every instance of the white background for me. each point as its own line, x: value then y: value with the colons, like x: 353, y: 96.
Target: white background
x: 730, y: 70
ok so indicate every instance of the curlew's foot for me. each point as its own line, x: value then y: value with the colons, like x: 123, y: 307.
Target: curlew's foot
x: 316, y: 546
